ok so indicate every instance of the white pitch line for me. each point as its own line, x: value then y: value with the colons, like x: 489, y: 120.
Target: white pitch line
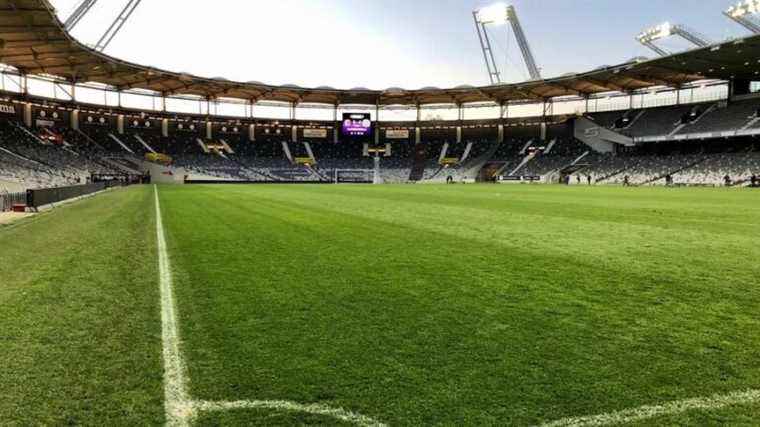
x: 717, y: 401
x: 180, y: 409
x: 178, y: 412
x: 283, y: 405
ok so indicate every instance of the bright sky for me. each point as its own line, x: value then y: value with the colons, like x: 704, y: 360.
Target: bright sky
x: 384, y: 43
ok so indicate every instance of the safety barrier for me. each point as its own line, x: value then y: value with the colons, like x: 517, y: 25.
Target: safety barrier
x: 7, y: 200
x: 46, y: 196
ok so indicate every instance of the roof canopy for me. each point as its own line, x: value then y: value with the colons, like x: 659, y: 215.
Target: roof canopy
x: 33, y: 40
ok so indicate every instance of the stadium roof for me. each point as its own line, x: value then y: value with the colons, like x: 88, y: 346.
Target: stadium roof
x: 33, y: 40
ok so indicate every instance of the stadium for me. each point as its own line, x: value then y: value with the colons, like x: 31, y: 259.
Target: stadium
x: 579, y: 250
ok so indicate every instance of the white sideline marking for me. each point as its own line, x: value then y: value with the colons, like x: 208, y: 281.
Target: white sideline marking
x: 178, y: 412
x: 717, y: 401
x: 179, y: 408
x: 283, y: 405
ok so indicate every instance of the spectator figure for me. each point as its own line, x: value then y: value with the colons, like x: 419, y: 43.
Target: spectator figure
x: 578, y: 179
x: 588, y: 178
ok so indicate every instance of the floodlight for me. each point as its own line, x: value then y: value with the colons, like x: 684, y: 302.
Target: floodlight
x: 494, y: 14
x: 665, y: 30
x: 657, y: 32
x: 741, y: 14
x: 499, y: 14
x: 744, y: 8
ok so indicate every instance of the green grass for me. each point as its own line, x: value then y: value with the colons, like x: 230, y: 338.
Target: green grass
x: 453, y: 305
x: 79, y: 315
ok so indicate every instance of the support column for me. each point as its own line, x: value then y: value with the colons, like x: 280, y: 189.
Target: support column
x: 336, y: 125
x: 417, y: 130
x: 74, y: 120
x: 28, y: 114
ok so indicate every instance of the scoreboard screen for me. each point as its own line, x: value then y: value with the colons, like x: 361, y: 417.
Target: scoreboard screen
x: 356, y: 125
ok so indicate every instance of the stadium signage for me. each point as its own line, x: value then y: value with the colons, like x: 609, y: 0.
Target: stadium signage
x: 7, y: 109
x: 45, y: 123
x: 397, y: 134
x: 356, y: 125
x: 315, y: 133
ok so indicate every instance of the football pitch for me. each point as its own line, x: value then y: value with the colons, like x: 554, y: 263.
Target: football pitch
x: 384, y: 305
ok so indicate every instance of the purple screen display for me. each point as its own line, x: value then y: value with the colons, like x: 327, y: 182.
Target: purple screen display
x: 356, y: 125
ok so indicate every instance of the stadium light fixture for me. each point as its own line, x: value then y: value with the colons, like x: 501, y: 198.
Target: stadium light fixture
x: 667, y: 29
x: 500, y: 14
x: 744, y: 8
x: 658, y: 32
x: 742, y: 12
x: 495, y: 14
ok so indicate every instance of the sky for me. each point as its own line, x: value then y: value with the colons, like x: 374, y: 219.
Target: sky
x: 379, y: 44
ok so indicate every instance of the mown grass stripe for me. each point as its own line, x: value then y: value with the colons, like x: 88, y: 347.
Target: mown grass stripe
x: 180, y: 409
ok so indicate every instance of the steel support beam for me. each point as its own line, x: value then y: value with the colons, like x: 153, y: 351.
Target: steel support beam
x: 78, y: 14
x: 116, y: 25
x: 522, y: 41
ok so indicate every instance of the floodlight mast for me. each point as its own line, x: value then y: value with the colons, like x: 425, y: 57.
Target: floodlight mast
x: 498, y: 14
x: 485, y: 46
x: 78, y: 14
x: 522, y: 41
x: 665, y: 30
x: 116, y: 25
x: 742, y: 12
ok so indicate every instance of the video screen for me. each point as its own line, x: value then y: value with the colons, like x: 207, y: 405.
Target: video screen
x: 356, y: 125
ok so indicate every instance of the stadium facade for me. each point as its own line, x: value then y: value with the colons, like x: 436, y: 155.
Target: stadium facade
x: 73, y: 113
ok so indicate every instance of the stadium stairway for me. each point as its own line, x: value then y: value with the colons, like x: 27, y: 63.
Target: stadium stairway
x: 612, y: 175
x: 90, y: 140
x: 420, y: 160
x: 121, y: 144
x: 673, y: 172
x: 123, y: 164
x: 527, y: 159
x: 474, y: 167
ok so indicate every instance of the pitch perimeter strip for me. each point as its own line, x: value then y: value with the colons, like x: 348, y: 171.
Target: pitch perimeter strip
x: 179, y: 408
